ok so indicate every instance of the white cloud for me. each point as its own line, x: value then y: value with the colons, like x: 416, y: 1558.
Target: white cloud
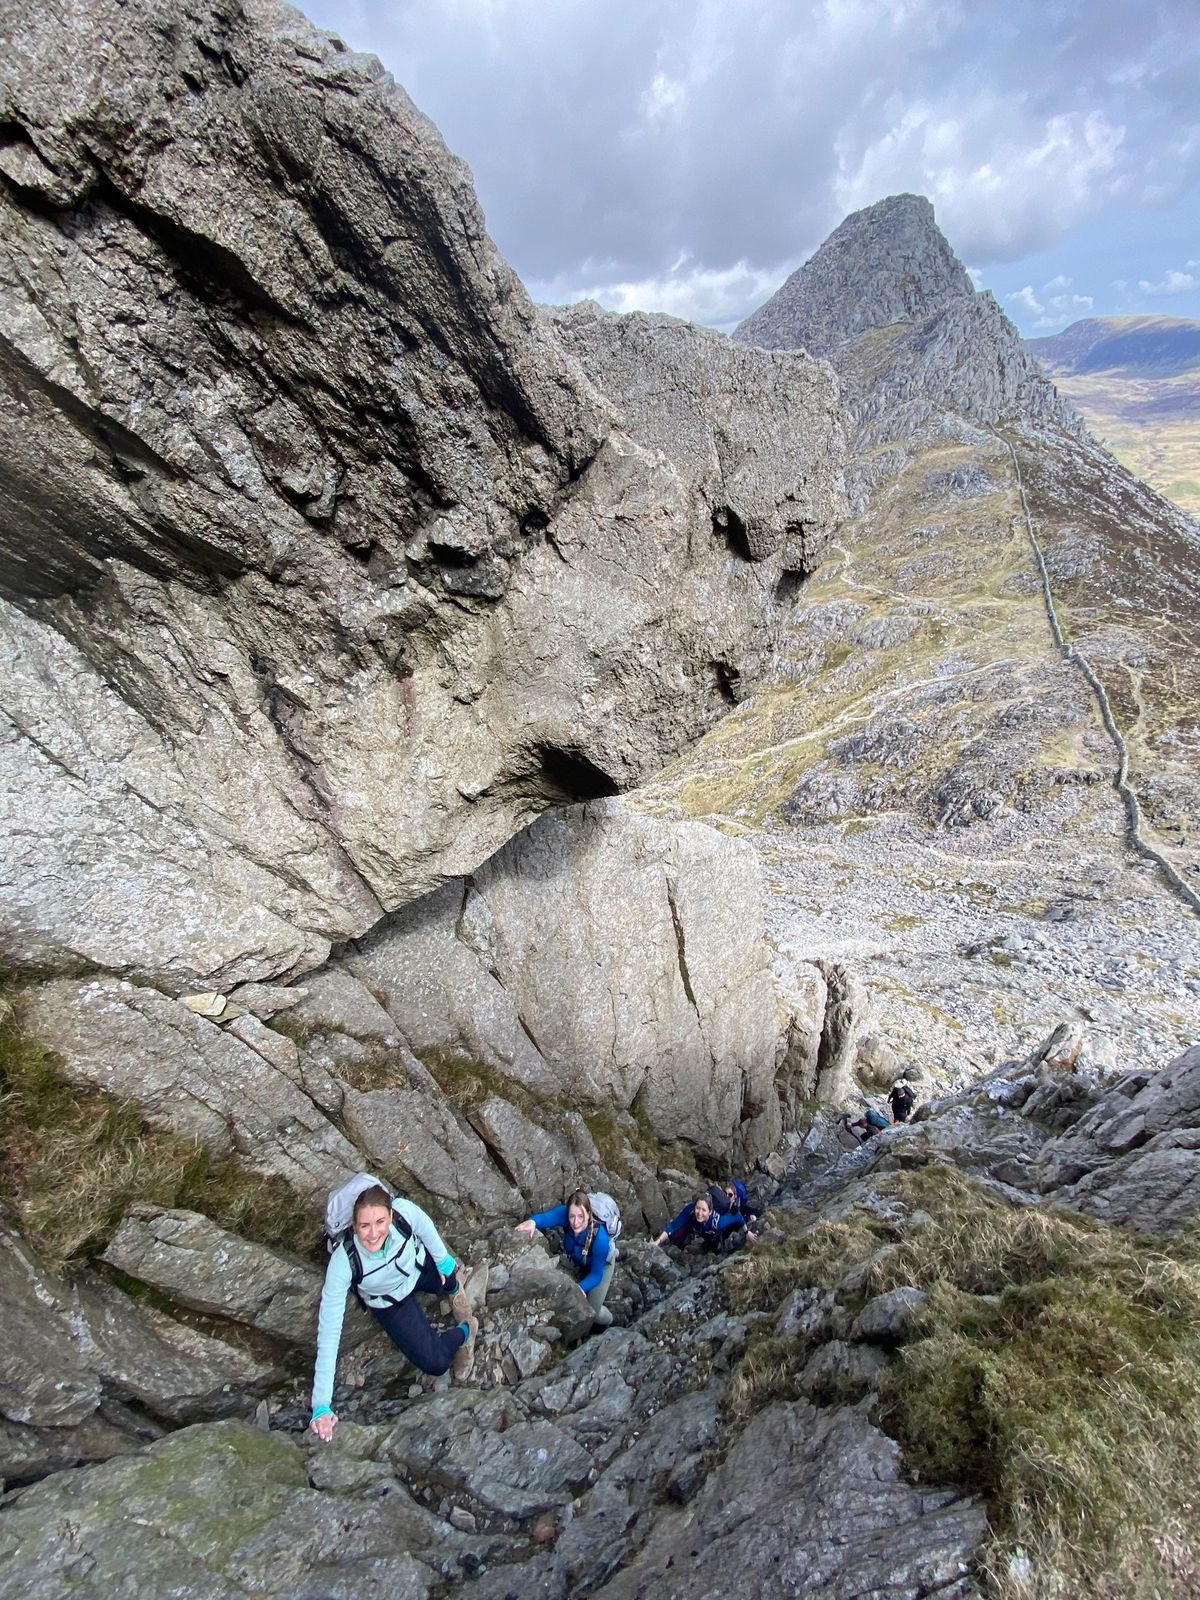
x: 1171, y: 282
x: 1002, y: 185
x: 742, y: 134
x: 1055, y: 309
x: 975, y: 276
x: 664, y: 100
x: 720, y: 298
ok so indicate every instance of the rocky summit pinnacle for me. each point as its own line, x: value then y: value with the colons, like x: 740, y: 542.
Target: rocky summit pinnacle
x: 887, y: 263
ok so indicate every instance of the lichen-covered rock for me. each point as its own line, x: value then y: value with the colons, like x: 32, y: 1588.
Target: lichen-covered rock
x: 212, y: 1513
x: 345, y: 570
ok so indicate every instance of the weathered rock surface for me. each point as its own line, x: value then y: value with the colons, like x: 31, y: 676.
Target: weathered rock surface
x: 1134, y: 1157
x: 724, y: 421
x: 833, y: 1518
x: 187, y: 1074
x: 211, y: 1513
x: 601, y: 959
x: 207, y: 1268
x: 345, y: 570
x: 88, y: 1373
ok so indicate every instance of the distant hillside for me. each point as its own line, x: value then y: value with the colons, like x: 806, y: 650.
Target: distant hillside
x: 1136, y: 347
x: 1137, y: 382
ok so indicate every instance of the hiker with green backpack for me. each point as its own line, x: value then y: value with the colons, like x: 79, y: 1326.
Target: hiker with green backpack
x: 590, y: 1225
x: 385, y: 1249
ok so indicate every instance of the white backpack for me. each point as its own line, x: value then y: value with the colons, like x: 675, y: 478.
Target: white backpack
x: 339, y: 1210
x: 606, y: 1210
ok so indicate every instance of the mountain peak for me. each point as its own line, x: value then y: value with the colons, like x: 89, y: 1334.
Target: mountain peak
x: 888, y: 263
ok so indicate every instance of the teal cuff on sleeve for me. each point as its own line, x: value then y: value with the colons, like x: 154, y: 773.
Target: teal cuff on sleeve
x: 446, y: 1266
x: 322, y: 1411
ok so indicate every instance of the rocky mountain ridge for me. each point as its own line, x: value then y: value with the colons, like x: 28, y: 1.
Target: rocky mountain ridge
x: 627, y: 1468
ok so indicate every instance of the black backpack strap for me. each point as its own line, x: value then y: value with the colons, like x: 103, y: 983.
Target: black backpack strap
x: 355, y: 1260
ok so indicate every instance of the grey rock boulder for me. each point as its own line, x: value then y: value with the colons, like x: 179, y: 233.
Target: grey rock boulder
x: 833, y: 1519
x: 216, y: 1512
x: 886, y: 1318
x: 1134, y: 1158
x: 89, y: 1372
x: 485, y: 1449
x: 186, y: 1074
x: 207, y: 1268
x: 602, y: 958
x: 346, y: 569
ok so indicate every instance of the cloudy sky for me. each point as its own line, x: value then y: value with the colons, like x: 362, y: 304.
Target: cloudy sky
x: 686, y: 155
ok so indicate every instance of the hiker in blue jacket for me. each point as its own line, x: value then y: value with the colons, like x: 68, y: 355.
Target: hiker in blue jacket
x: 393, y: 1256
x: 700, y: 1220
x: 586, y: 1242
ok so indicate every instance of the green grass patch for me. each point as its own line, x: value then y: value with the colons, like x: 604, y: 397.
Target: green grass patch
x: 73, y: 1160
x: 1054, y: 1370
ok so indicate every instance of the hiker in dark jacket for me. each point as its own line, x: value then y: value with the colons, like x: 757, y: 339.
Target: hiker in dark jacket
x: 700, y: 1220
x: 586, y: 1242
x: 390, y: 1260
x: 732, y: 1196
x: 901, y: 1099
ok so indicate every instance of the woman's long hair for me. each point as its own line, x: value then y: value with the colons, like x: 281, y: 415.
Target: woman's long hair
x: 582, y: 1199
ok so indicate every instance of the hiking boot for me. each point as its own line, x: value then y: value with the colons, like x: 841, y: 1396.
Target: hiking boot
x: 464, y: 1356
x: 460, y: 1306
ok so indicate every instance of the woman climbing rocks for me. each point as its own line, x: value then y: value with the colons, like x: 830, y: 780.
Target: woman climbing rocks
x: 586, y: 1241
x: 391, y: 1250
x: 700, y: 1220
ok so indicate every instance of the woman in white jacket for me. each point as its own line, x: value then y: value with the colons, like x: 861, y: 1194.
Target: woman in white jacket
x: 392, y: 1251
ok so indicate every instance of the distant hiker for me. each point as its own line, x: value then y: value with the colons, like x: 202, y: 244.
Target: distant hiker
x: 868, y: 1125
x: 901, y: 1099
x: 390, y: 1250
x: 588, y: 1242
x: 700, y: 1220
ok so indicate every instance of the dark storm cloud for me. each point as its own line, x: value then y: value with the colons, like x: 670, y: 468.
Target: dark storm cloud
x: 688, y: 152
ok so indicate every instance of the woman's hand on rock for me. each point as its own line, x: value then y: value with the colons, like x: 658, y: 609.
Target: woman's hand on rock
x: 324, y: 1425
x: 528, y: 1227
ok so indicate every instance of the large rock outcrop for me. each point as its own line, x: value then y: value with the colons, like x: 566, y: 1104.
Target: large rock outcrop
x: 326, y: 566
x: 599, y: 991
x: 605, y: 961
x: 889, y: 303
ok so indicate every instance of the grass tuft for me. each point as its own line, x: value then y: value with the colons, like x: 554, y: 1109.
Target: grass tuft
x: 1054, y: 1369
x: 73, y: 1160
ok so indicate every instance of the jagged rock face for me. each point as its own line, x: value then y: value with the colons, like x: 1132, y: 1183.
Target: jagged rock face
x: 89, y: 1373
x: 327, y: 567
x: 887, y: 263
x: 889, y: 303
x: 603, y: 965
x: 604, y: 960
x: 1134, y: 1159
x: 726, y: 422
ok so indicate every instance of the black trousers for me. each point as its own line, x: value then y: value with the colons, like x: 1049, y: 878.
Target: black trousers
x: 407, y: 1326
